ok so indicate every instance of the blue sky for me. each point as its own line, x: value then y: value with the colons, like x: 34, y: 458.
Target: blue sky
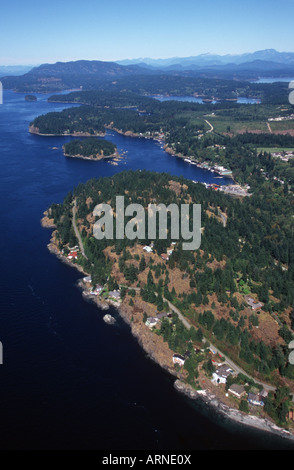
x: 34, y: 32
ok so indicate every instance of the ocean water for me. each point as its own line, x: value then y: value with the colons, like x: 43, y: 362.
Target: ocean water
x: 69, y: 380
x: 194, y: 99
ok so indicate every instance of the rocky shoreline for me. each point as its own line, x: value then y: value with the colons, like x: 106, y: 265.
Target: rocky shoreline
x: 231, y: 413
x: 147, y: 340
x: 36, y: 131
x: 93, y: 158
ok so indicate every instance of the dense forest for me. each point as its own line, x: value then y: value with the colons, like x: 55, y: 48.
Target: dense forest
x: 205, y: 87
x: 69, y: 121
x: 185, y: 128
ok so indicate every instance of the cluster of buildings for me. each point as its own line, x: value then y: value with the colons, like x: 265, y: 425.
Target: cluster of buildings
x: 255, y: 397
x: 164, y: 256
x: 230, y: 189
x: 235, y: 190
x: 282, y: 118
x: 99, y: 289
x: 285, y: 156
x: 220, y: 170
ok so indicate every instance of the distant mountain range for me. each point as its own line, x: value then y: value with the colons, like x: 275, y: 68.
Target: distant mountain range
x: 269, y: 56
x: 91, y: 74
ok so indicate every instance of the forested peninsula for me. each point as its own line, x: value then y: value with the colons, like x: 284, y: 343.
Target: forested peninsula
x: 239, y: 137
x: 239, y: 262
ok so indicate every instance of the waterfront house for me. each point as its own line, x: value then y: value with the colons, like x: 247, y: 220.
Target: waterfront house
x: 148, y: 249
x: 98, y: 289
x: 221, y: 374
x: 72, y: 255
x: 178, y: 359
x: 237, y: 390
x: 255, y: 399
x: 114, y: 294
x: 151, y: 321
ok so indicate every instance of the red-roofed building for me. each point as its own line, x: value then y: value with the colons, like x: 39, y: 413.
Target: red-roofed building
x: 73, y: 255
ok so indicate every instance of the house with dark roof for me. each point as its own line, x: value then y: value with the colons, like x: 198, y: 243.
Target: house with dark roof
x: 255, y: 399
x: 237, y: 390
x: 162, y: 315
x: 178, y: 359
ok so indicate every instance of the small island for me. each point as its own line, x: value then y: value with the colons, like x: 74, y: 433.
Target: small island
x: 90, y: 149
x: 30, y: 98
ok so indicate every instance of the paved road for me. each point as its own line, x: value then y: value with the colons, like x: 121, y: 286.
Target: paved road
x: 210, y: 125
x: 77, y: 233
x: 228, y: 361
x: 213, y: 348
x: 269, y: 127
x: 183, y: 319
x: 223, y: 217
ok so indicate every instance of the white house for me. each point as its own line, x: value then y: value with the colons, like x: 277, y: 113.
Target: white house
x: 221, y: 374
x: 178, y: 359
x: 151, y: 321
x: 98, y: 289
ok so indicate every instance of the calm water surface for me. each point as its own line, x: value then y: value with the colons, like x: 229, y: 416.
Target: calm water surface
x: 69, y: 381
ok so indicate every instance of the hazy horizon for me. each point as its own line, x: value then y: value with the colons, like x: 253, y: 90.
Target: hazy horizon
x: 141, y: 58
x: 34, y: 33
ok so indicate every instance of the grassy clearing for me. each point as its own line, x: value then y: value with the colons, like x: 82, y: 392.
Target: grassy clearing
x: 275, y: 149
x: 230, y: 126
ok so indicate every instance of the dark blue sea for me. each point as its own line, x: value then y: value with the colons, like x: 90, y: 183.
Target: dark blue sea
x: 69, y: 380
